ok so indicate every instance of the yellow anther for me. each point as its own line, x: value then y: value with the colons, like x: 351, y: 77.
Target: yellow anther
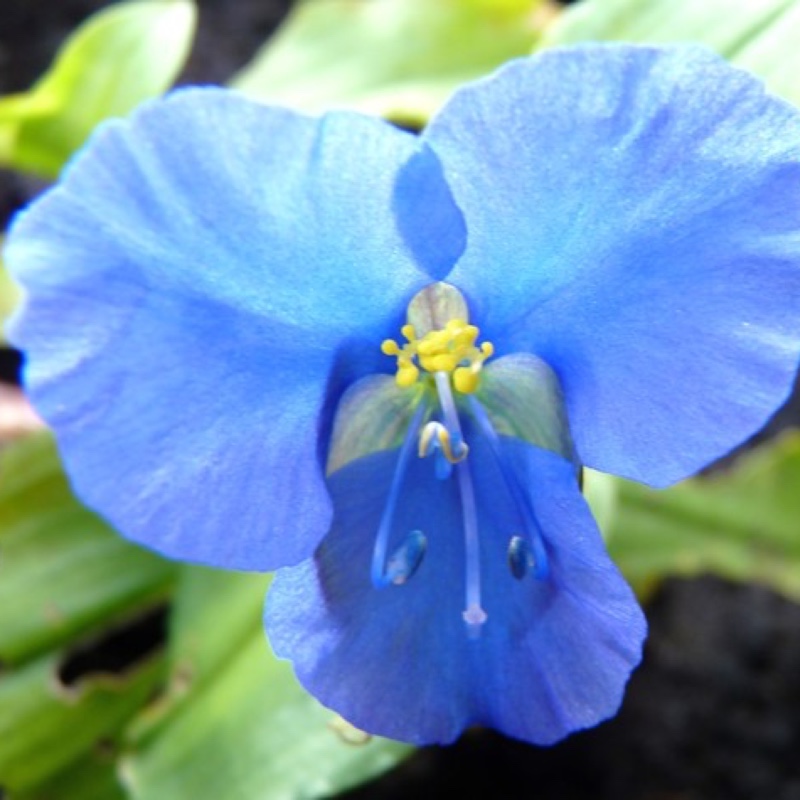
x: 465, y: 380
x: 407, y: 375
x: 440, y: 362
x: 451, y: 349
x: 409, y: 332
x: 428, y: 346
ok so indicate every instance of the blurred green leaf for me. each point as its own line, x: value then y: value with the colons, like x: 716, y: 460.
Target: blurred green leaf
x: 759, y: 36
x: 600, y: 491
x: 741, y: 524
x: 237, y: 724
x: 91, y: 778
x: 9, y: 296
x: 45, y: 726
x: 214, y: 614
x: 121, y: 56
x: 62, y: 569
x: 720, y: 24
x: 774, y: 54
x: 397, y: 58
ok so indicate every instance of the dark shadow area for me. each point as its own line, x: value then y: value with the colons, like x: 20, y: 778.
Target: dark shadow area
x: 115, y: 651
x: 10, y: 365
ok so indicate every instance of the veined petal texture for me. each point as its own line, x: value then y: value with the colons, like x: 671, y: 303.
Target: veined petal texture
x: 553, y: 655
x: 193, y: 286
x: 634, y: 220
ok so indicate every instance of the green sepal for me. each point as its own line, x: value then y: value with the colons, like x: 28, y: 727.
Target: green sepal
x: 523, y: 399
x: 373, y: 415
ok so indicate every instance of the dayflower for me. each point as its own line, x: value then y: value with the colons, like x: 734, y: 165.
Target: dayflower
x: 380, y: 360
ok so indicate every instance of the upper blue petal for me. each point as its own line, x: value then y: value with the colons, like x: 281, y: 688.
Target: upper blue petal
x: 553, y: 656
x: 634, y: 219
x: 194, y: 285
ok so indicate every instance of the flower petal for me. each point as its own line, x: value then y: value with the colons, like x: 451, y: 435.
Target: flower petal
x: 192, y: 287
x: 634, y: 220
x: 552, y: 657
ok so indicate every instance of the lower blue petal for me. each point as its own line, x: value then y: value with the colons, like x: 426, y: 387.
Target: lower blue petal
x: 553, y: 657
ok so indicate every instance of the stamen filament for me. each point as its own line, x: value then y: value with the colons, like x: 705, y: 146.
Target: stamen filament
x: 541, y: 568
x: 378, y: 569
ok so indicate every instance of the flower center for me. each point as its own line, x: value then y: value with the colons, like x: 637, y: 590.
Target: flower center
x: 436, y: 394
x: 450, y: 354
x: 451, y: 350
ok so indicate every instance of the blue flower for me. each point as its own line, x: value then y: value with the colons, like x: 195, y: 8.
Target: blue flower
x: 245, y: 326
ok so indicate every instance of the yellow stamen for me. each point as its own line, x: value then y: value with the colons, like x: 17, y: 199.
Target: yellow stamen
x: 451, y: 349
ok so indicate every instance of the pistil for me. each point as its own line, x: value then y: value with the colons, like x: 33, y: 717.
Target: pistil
x: 474, y: 615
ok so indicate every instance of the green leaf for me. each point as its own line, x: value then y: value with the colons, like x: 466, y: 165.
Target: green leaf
x: 121, y: 56
x: 373, y: 415
x: 774, y: 54
x: 237, y: 724
x: 91, y: 778
x: 45, y: 726
x: 741, y: 523
x: 62, y: 569
x: 9, y: 296
x: 759, y: 36
x: 398, y: 58
x: 600, y: 491
x: 214, y: 613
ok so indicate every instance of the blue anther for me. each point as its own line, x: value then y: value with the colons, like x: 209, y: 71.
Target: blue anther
x: 520, y: 557
x: 405, y: 561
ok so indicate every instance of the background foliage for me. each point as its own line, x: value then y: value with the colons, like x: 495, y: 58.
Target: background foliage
x: 125, y: 676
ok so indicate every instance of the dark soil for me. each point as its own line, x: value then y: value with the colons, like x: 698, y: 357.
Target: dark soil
x: 714, y: 711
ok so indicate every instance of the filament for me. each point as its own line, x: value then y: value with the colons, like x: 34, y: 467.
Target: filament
x: 378, y: 569
x: 541, y: 567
